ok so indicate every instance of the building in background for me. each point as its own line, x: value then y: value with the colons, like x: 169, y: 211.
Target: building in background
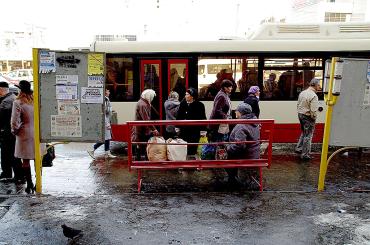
x: 309, y: 11
x: 16, y: 45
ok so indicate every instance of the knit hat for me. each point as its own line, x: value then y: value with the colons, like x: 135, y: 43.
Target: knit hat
x: 253, y: 90
x: 4, y: 85
x: 314, y: 82
x: 193, y: 92
x: 244, y: 108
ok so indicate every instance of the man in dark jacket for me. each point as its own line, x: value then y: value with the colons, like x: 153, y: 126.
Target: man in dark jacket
x: 243, y: 132
x: 7, y: 139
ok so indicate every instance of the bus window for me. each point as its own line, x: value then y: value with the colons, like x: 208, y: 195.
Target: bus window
x: 232, y: 68
x: 150, y: 73
x: 284, y: 79
x: 178, y: 76
x: 119, y: 79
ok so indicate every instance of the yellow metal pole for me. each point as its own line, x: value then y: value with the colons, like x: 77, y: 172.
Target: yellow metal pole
x: 325, y: 143
x: 36, y: 116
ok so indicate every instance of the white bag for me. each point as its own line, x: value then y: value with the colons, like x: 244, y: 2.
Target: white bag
x: 223, y: 129
x: 177, y: 152
x: 156, y: 152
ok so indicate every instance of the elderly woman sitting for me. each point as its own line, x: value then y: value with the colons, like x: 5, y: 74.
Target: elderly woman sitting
x: 243, y: 132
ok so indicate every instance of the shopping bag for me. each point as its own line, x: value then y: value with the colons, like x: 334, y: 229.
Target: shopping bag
x: 156, y: 152
x: 203, y: 139
x: 177, y: 152
x: 223, y: 129
x: 47, y: 160
x: 208, y: 152
x: 221, y: 152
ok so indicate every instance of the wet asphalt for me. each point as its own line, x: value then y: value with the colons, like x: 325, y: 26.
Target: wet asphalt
x: 100, y: 198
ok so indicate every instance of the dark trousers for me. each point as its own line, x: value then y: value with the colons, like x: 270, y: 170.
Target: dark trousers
x: 106, y: 145
x: 305, y: 140
x: 8, y: 161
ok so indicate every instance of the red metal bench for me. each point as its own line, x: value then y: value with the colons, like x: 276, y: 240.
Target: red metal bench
x: 267, y: 129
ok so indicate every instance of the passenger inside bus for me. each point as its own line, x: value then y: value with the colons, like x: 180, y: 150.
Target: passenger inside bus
x: 215, y: 87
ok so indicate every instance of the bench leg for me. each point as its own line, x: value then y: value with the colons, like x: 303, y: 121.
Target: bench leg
x: 139, y: 181
x: 261, y: 184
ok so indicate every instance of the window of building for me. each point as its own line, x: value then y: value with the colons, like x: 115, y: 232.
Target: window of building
x: 119, y: 78
x: 337, y: 17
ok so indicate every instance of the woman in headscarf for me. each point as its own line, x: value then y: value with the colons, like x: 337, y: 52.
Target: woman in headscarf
x: 191, y: 109
x: 171, y: 107
x: 253, y: 99
x: 143, y: 113
x: 22, y: 128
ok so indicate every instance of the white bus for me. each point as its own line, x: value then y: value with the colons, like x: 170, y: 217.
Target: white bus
x: 134, y: 66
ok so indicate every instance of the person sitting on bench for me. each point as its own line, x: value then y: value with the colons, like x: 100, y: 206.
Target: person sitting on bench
x: 243, y: 132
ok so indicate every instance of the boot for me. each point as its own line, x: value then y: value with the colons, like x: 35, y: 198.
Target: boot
x: 30, y: 187
x: 108, y: 154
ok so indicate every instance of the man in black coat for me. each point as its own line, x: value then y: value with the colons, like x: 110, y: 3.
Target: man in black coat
x: 7, y: 139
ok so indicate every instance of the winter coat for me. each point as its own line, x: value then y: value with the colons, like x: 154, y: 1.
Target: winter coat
x: 22, y: 128
x: 142, y: 113
x: 191, y: 111
x: 244, y: 132
x: 171, y: 107
x: 108, y: 114
x: 6, y: 104
x: 252, y: 100
x: 221, y: 106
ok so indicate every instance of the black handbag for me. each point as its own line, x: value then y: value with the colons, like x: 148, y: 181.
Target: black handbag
x: 47, y: 160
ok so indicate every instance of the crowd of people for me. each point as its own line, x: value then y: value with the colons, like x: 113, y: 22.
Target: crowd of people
x: 190, y: 108
x: 17, y: 136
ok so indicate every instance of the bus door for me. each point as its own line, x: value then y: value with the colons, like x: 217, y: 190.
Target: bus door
x: 178, y: 76
x: 151, y: 78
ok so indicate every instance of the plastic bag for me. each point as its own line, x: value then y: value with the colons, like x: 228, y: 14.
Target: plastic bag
x: 203, y: 139
x: 221, y: 152
x: 156, y: 152
x: 47, y: 160
x: 177, y: 152
x: 208, y: 152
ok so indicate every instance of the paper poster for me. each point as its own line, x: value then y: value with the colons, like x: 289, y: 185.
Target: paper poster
x: 69, y: 107
x: 367, y: 95
x: 66, y: 126
x: 47, y: 62
x: 66, y: 92
x: 95, y: 65
x: 92, y: 95
x: 66, y: 79
x: 95, y: 81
